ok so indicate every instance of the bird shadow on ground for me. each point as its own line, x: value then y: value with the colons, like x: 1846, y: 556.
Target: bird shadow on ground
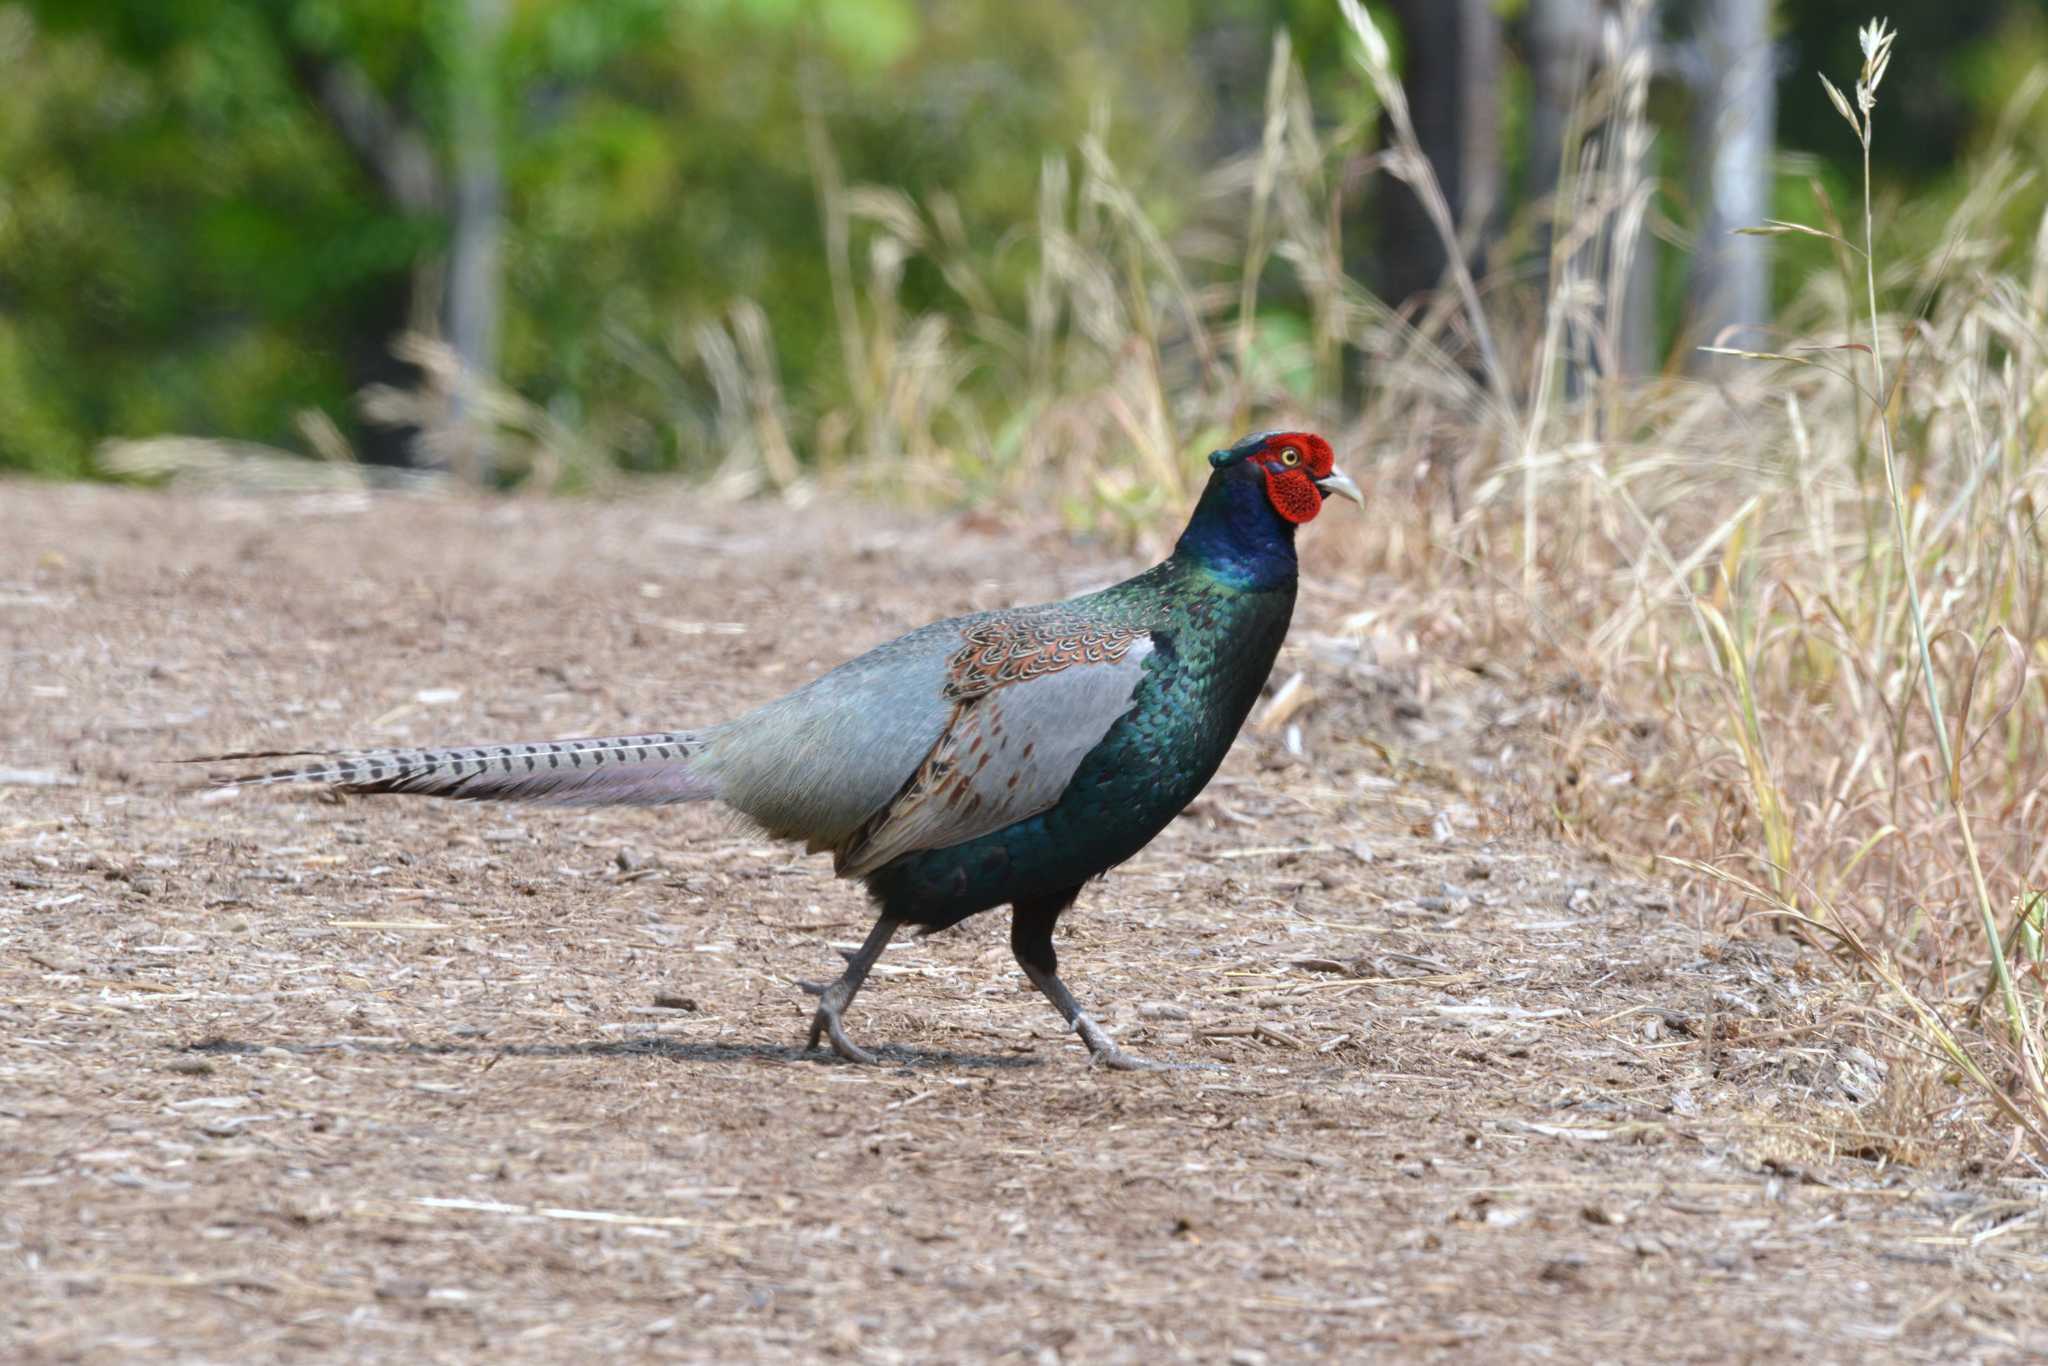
x: 890, y: 1056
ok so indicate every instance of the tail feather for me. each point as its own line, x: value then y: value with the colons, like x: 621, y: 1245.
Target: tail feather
x: 638, y: 770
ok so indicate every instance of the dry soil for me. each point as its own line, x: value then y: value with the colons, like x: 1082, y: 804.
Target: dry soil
x: 284, y: 1077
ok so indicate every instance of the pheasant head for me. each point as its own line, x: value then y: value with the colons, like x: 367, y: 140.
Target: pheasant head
x: 1297, y: 469
x: 1259, y: 491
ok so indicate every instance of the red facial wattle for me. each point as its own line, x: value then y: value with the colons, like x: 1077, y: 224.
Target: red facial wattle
x: 1293, y: 494
x: 1293, y: 462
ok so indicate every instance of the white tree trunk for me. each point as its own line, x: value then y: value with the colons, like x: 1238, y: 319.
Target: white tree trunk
x: 474, y: 278
x: 1564, y: 39
x: 1733, y: 132
x: 1479, y: 111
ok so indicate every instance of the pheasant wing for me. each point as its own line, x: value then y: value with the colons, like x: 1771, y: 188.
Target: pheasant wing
x: 1029, y: 701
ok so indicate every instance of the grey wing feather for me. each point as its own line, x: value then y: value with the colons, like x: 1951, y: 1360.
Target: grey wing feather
x: 817, y: 764
x: 1006, y: 756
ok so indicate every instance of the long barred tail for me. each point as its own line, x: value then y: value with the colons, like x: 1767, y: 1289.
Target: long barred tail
x: 638, y: 770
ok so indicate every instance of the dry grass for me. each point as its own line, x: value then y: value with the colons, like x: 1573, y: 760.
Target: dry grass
x: 1806, y: 624
x: 1794, y: 610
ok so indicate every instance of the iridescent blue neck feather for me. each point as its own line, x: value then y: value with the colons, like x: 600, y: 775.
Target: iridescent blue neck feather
x: 1236, y: 535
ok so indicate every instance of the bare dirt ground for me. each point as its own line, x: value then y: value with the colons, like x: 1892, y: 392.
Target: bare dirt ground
x: 288, y: 1078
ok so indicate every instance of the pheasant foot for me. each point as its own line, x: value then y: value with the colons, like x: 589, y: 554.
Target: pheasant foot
x: 1103, y: 1052
x: 825, y: 1021
x: 835, y: 997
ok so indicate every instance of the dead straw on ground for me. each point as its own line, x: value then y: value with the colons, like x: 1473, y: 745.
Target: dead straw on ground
x: 1789, y: 612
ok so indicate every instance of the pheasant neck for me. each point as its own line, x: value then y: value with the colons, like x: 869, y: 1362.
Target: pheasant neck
x: 1237, y: 536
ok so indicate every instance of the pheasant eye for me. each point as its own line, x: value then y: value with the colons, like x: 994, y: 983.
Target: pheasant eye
x: 1290, y: 457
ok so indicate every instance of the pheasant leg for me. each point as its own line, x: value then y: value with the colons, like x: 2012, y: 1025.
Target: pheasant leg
x: 835, y: 998
x: 1102, y: 1050
x: 1031, y: 942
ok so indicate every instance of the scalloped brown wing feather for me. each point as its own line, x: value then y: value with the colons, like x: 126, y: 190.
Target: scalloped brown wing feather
x: 1030, y: 700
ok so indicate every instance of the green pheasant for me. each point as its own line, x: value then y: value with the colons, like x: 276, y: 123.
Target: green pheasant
x: 1000, y: 758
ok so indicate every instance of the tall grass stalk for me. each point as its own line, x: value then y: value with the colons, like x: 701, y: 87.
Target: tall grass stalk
x: 1876, y: 39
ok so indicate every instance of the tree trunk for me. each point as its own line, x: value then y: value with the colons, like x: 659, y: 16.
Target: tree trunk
x: 1451, y: 73
x: 1632, y: 316
x: 473, y: 258
x: 1728, y: 297
x: 394, y: 155
x: 1590, y: 61
x: 1564, y: 39
x: 1479, y: 109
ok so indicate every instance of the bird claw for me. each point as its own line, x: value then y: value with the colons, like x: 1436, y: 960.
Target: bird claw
x: 825, y: 1023
x: 1116, y: 1060
x: 1119, y: 1061
x: 1103, y: 1052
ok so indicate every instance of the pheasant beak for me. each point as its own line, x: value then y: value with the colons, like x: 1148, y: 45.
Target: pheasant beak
x: 1338, y: 482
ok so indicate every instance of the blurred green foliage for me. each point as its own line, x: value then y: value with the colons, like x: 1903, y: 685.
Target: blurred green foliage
x: 187, y: 243
x: 191, y: 242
